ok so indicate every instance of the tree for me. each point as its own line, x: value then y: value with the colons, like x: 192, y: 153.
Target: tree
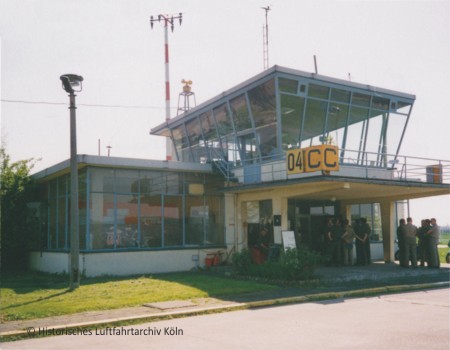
x: 16, y: 191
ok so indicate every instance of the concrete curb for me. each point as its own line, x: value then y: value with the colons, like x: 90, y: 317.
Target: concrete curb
x: 237, y: 306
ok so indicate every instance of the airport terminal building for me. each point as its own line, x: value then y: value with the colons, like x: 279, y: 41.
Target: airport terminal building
x: 285, y: 149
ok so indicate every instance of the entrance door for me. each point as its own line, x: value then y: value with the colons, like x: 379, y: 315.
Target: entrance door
x: 318, y: 223
x: 303, y: 231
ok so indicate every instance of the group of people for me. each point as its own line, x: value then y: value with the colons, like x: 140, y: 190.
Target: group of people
x: 425, y: 250
x: 340, y: 237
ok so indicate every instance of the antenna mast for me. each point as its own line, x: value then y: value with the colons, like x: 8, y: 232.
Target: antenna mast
x: 166, y: 20
x: 266, y: 39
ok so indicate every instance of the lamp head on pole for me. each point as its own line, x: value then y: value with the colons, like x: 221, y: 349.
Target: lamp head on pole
x: 72, y: 83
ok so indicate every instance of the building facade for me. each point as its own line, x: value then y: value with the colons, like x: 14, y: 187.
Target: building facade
x: 285, y: 150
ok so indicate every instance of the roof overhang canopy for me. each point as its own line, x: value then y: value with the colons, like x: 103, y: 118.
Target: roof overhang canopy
x: 348, y: 190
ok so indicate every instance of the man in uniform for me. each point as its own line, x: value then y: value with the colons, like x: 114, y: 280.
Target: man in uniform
x: 409, y: 244
x: 433, y: 241
x: 400, y: 239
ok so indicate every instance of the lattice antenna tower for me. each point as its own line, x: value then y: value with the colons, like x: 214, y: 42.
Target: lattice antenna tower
x: 266, y: 38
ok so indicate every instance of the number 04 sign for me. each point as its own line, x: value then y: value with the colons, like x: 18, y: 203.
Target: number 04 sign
x: 315, y: 158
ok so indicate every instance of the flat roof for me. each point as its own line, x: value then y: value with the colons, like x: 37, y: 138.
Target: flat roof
x: 119, y: 162
x: 288, y: 71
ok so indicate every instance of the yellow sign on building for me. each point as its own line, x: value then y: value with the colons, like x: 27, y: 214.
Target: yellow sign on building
x: 315, y: 158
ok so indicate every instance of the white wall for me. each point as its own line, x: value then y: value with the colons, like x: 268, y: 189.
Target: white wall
x: 123, y: 263
x: 51, y: 262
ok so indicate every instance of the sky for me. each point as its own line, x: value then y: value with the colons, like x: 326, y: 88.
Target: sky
x: 400, y: 45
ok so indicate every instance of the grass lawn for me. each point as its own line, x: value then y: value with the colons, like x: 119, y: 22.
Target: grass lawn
x: 37, y: 295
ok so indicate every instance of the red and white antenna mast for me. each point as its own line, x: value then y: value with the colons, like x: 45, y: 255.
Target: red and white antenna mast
x: 167, y: 20
x: 266, y: 39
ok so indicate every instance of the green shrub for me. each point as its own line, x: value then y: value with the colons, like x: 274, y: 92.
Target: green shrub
x: 242, y: 261
x: 293, y: 265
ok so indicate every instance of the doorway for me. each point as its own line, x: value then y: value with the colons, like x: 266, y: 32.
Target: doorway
x: 308, y: 219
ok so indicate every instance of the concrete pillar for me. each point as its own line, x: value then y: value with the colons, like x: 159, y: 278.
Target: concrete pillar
x: 346, y: 212
x: 388, y: 227
x: 230, y: 221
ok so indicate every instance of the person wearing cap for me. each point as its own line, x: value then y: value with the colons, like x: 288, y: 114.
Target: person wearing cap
x: 433, y: 241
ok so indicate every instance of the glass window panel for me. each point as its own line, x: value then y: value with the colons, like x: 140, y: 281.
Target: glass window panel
x: 151, y: 221
x: 288, y: 85
x: 215, y: 220
x: 226, y: 132
x: 316, y: 210
x: 180, y: 139
x: 268, y: 143
x: 291, y: 119
x: 194, y: 131
x: 361, y: 99
x: 196, y: 217
x: 61, y: 222
x: 318, y: 91
x: 376, y: 234
x: 208, y: 126
x: 329, y: 210
x: 200, y: 153
x: 248, y: 148
x: 173, y: 222
x: 126, y: 181
x: 102, y: 180
x: 186, y: 155
x: 63, y: 185
x: 380, y: 103
x: 172, y: 184
x: 373, y: 139
x: 337, y: 121
x: 355, y: 133
x: 82, y: 206
x: 52, y: 214
x: 224, y: 125
x: 262, y: 101
x: 210, y: 133
x: 102, y: 220
x: 262, y: 104
x: 340, y: 95
x: 151, y: 182
x: 127, y: 216
x: 396, y: 125
x: 240, y: 113
x: 314, y: 123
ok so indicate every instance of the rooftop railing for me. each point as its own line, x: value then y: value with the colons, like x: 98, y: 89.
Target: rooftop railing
x: 357, y: 164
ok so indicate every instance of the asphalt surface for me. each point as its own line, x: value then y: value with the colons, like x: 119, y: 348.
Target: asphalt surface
x: 331, y: 283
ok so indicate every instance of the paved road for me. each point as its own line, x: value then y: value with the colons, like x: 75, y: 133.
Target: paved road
x: 416, y: 320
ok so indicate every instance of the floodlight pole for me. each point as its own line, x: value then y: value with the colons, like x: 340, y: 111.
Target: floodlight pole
x: 74, y: 233
x: 167, y: 21
x: 69, y: 81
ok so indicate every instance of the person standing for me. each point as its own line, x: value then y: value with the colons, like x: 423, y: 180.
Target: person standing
x: 335, y: 237
x: 433, y: 241
x: 326, y: 249
x: 409, y: 244
x: 423, y: 241
x: 361, y: 240
x: 400, y: 240
x: 366, y: 230
x: 348, y: 237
